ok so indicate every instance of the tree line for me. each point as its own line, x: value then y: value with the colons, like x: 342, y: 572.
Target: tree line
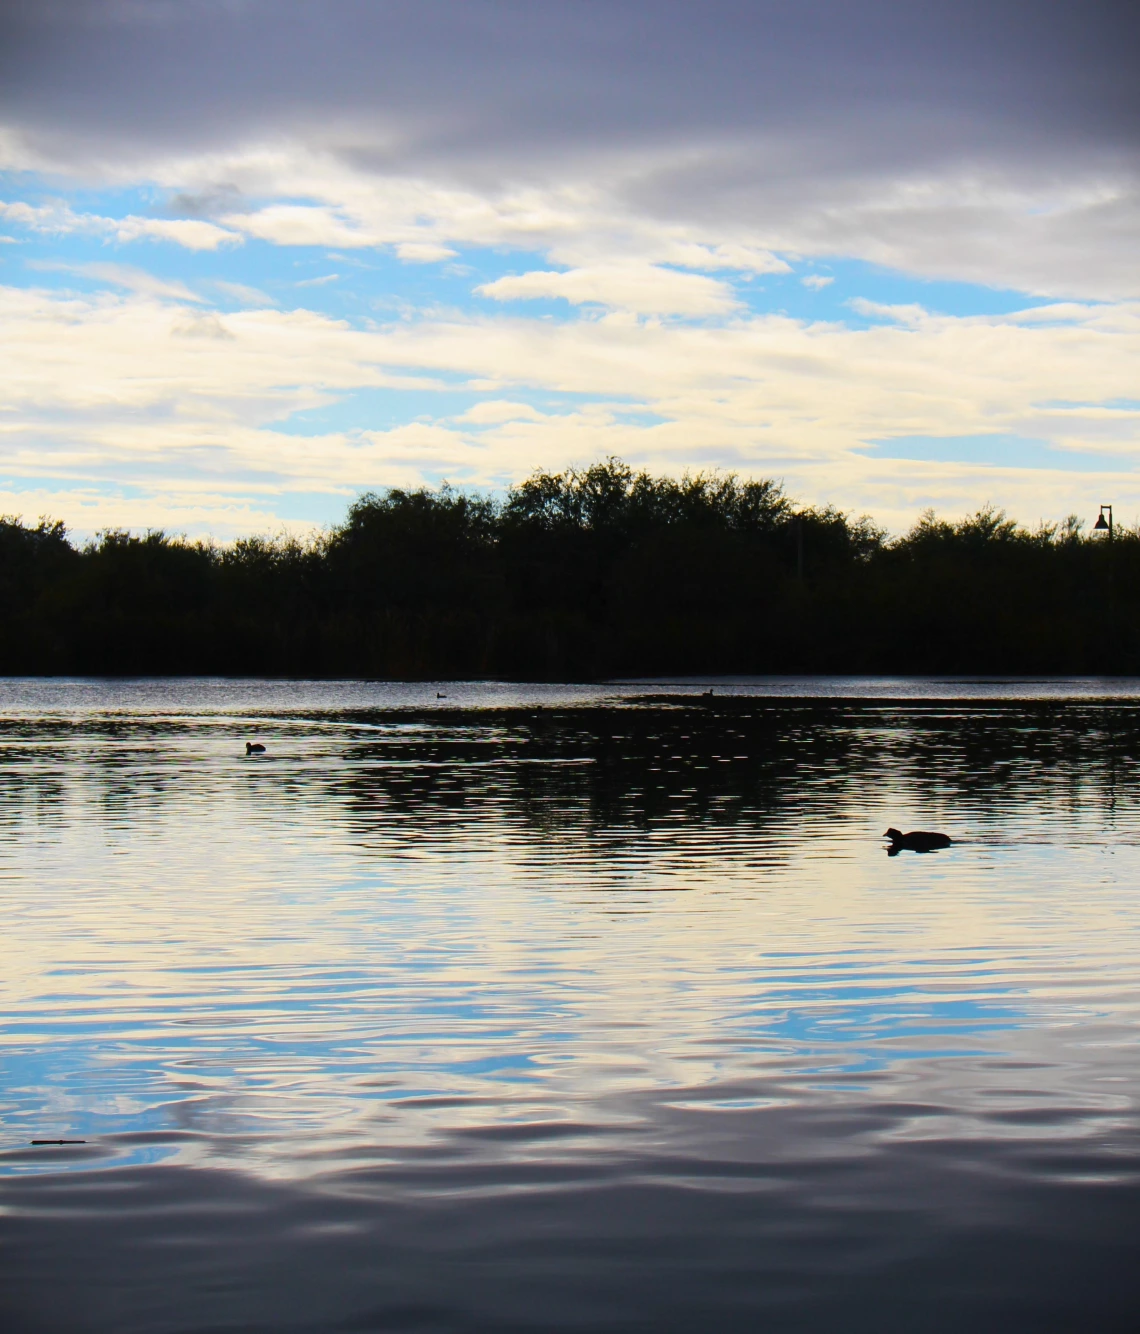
x: 593, y: 572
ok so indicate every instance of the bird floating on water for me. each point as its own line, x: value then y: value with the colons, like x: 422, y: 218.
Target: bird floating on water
x: 918, y: 840
x: 439, y: 696
x: 254, y: 748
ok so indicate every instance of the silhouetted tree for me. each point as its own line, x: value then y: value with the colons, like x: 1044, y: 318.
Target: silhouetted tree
x: 589, y: 572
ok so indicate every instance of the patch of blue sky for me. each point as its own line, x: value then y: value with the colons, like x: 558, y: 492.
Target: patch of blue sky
x: 998, y: 451
x: 837, y: 283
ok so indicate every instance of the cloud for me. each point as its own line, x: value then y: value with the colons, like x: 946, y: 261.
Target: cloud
x: 251, y: 296
x: 88, y: 510
x: 423, y: 252
x: 124, y: 390
x: 744, y: 258
x: 350, y: 209
x: 644, y: 289
x: 41, y: 218
x: 195, y: 324
x: 1053, y: 229
x: 912, y: 313
x: 302, y: 225
x: 123, y: 275
x: 58, y: 219
x: 816, y: 281
x: 988, y: 141
x: 192, y: 233
x: 322, y: 281
x: 494, y: 411
x: 465, y: 81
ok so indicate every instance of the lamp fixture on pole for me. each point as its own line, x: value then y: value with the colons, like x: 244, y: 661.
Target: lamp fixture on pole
x: 1102, y: 524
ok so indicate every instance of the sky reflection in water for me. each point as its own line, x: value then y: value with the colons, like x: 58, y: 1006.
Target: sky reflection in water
x: 609, y: 1013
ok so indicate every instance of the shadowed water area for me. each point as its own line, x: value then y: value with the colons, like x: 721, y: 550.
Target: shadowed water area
x: 463, y: 1013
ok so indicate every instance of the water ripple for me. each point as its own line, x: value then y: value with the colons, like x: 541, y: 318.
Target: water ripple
x: 609, y: 1013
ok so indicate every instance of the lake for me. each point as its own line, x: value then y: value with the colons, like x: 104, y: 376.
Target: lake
x: 474, y: 1007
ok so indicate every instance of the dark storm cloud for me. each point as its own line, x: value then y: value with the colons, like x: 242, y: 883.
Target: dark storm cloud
x: 991, y: 140
x: 480, y: 85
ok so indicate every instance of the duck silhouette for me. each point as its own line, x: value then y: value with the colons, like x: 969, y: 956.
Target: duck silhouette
x: 254, y: 748
x: 919, y: 840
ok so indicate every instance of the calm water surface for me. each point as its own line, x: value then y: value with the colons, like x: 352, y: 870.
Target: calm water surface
x: 463, y: 1013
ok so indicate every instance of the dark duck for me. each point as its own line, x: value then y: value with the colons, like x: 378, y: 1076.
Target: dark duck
x: 919, y: 840
x: 254, y: 748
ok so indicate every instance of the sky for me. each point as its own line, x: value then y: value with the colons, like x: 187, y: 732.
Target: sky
x: 259, y: 256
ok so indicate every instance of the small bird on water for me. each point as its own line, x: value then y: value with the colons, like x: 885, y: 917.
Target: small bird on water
x: 919, y: 840
x: 254, y: 748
